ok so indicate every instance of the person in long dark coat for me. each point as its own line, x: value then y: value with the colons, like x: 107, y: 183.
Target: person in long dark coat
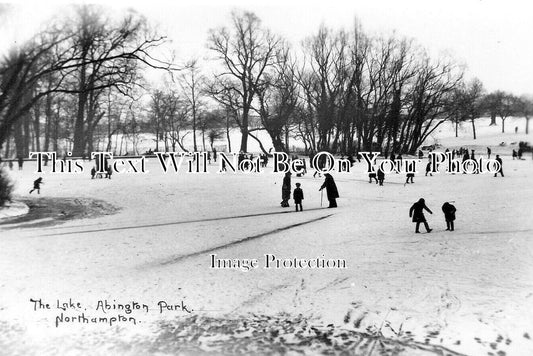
x: 500, y: 170
x: 298, y: 196
x: 381, y: 176
x: 286, y: 190
x: 331, y: 190
x: 449, y: 215
x: 417, y: 213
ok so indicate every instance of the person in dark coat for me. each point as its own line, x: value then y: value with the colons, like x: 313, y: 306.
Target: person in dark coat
x: 381, y: 176
x: 410, y: 177
x: 417, y: 213
x: 372, y: 175
x: 331, y: 190
x: 286, y: 190
x: 298, y: 196
x: 428, y: 169
x: 37, y: 185
x: 449, y: 215
x: 501, y: 166
x: 515, y: 155
x: 215, y: 154
x: 488, y: 152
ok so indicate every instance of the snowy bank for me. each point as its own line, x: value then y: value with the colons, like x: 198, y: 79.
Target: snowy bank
x: 14, y: 209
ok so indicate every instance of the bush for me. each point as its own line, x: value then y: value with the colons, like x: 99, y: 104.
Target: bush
x: 6, y: 187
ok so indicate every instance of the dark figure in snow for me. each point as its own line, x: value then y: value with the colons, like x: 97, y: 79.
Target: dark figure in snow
x: 472, y: 156
x: 488, y: 152
x: 420, y: 154
x: 240, y: 158
x: 428, y: 169
x: 93, y: 172
x: 520, y: 151
x: 109, y: 171
x: 286, y: 190
x: 417, y: 213
x: 516, y: 129
x: 37, y: 185
x: 410, y: 177
x: 501, y: 166
x: 20, y: 162
x: 215, y: 155
x: 209, y: 157
x: 298, y: 196
x: 223, y: 168
x: 372, y: 175
x: 358, y: 157
x: 381, y: 176
x: 351, y: 160
x: 453, y: 153
x: 515, y: 155
x: 331, y: 190
x: 466, y: 156
x: 449, y: 215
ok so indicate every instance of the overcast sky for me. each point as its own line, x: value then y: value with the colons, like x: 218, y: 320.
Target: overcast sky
x: 494, y: 38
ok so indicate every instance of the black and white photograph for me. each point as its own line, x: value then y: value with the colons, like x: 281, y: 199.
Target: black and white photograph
x: 266, y: 178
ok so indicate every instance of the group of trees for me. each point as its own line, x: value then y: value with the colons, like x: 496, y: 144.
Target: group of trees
x: 56, y: 89
x: 79, y: 85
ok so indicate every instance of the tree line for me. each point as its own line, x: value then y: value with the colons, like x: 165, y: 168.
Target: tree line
x: 80, y: 84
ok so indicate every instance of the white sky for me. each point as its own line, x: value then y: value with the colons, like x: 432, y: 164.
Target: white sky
x: 493, y: 38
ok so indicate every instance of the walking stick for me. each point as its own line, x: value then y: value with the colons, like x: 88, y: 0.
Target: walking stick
x: 321, y: 195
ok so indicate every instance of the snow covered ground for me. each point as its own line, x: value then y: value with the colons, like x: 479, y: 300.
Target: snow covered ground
x: 469, y: 291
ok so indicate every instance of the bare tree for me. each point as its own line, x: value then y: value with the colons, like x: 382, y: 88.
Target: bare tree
x: 245, y: 50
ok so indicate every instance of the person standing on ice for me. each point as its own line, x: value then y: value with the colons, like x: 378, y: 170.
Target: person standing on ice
x: 37, y: 185
x: 449, y: 215
x: 286, y: 190
x: 417, y: 213
x: 410, y: 177
x: 381, y: 176
x: 488, y: 152
x: 298, y: 196
x: 331, y: 190
x: 500, y: 170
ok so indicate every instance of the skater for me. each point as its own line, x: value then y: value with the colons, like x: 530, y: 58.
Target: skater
x: 520, y: 152
x: 488, y: 152
x: 93, y: 172
x: 215, y: 155
x: 449, y: 214
x: 37, y: 185
x: 428, y: 169
x: 515, y: 155
x: 417, y: 213
x: 420, y: 154
x: 331, y: 190
x: 410, y: 176
x: 500, y: 170
x: 381, y: 176
x: 109, y: 172
x: 298, y: 196
x: 20, y: 162
x: 372, y: 175
x: 286, y: 190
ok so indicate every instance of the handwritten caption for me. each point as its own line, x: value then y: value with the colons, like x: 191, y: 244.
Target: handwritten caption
x: 106, y: 312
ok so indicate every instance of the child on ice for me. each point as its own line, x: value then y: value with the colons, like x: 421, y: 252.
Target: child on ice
x: 298, y: 196
x: 37, y: 185
x: 449, y: 214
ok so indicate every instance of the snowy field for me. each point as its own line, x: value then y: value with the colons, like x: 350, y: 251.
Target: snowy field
x: 148, y: 238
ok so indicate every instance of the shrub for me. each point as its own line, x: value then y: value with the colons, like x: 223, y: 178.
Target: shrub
x: 6, y: 187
